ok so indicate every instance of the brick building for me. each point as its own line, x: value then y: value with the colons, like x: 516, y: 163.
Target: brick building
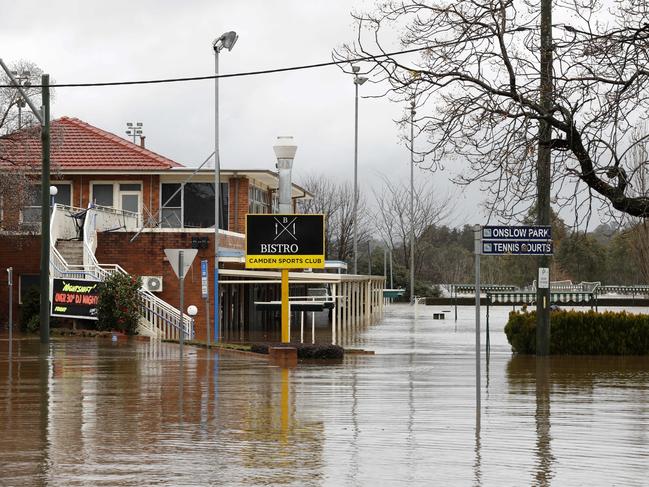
x: 158, y: 203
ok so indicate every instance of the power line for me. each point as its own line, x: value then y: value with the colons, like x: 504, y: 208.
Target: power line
x: 371, y: 57
x: 231, y: 75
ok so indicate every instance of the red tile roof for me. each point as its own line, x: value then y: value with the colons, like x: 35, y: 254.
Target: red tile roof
x: 77, y: 145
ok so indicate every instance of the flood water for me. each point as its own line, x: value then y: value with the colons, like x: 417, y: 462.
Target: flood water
x: 92, y: 412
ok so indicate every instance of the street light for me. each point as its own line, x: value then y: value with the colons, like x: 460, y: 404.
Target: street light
x: 358, y: 80
x: 53, y: 192
x: 227, y: 41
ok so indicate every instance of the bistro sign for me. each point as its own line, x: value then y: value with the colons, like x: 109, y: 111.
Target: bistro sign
x: 75, y: 298
x: 284, y: 241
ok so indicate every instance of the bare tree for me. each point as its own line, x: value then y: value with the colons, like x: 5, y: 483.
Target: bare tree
x: 336, y: 201
x: 12, y: 104
x: 393, y: 221
x: 477, y: 75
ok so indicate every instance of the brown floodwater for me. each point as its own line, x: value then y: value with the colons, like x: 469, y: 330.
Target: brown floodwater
x: 86, y: 412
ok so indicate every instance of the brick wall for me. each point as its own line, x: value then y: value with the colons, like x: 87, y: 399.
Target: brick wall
x: 238, y: 204
x: 22, y: 252
x: 145, y: 257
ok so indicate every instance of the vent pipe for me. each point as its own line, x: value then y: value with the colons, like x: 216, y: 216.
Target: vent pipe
x: 285, y: 152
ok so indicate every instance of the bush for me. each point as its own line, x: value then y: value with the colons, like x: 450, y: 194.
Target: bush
x: 304, y: 350
x: 582, y: 333
x: 119, y: 303
x: 30, y: 310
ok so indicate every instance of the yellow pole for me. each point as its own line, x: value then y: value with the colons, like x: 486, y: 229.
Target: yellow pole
x: 285, y: 309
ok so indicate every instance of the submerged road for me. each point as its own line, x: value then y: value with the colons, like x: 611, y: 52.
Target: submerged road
x: 92, y: 412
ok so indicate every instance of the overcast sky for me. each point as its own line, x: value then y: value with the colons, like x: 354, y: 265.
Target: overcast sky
x: 91, y: 41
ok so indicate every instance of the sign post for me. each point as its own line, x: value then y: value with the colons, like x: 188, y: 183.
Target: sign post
x: 285, y: 241
x: 10, y: 279
x: 181, y: 260
x: 204, y: 294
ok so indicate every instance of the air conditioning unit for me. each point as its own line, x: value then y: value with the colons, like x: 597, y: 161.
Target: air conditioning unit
x: 152, y: 283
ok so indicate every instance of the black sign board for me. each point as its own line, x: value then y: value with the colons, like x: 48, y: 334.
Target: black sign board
x: 284, y: 241
x: 534, y: 232
x: 75, y: 298
x: 517, y: 247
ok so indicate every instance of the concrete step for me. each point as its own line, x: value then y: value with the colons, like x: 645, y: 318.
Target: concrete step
x: 71, y: 251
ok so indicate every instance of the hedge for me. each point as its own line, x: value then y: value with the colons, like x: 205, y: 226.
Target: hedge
x: 304, y: 350
x: 582, y: 333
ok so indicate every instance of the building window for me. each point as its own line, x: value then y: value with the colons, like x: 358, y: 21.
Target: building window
x: 258, y: 200
x: 193, y: 206
x: 102, y: 195
x: 171, y: 209
x: 25, y: 283
x: 31, y: 212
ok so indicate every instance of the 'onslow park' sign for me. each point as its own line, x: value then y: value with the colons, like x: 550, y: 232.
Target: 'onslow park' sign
x: 284, y: 241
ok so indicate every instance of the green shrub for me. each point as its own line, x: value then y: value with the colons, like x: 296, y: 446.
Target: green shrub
x: 582, y: 333
x: 30, y: 310
x: 304, y: 350
x: 119, y: 303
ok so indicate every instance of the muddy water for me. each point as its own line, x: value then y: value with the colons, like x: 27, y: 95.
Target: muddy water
x: 86, y: 412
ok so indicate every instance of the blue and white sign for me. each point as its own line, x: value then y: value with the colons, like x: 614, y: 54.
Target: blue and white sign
x: 204, y: 288
x: 534, y: 232
x: 516, y: 247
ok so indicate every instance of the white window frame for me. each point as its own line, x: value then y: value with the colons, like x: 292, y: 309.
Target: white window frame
x: 117, y: 193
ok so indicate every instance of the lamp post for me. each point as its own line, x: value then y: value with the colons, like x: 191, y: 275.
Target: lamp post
x: 412, y: 201
x: 53, y: 192
x: 285, y: 152
x: 227, y: 41
x: 358, y: 80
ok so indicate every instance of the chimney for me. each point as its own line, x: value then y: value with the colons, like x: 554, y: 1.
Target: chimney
x: 142, y: 137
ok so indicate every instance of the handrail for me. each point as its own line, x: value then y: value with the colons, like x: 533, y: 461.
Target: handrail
x: 154, y: 309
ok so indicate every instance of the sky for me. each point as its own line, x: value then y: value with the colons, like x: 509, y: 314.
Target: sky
x: 93, y: 41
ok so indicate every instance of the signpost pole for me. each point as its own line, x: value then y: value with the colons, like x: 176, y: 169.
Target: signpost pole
x: 285, y: 308
x: 204, y: 292
x: 182, y: 304
x: 478, y: 244
x: 10, y: 271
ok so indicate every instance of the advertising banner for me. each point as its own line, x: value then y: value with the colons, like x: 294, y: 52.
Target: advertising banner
x: 75, y: 298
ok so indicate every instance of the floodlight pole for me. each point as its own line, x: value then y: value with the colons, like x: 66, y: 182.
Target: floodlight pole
x: 412, y: 204
x: 358, y: 80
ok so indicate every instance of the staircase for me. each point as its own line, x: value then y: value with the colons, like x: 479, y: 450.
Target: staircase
x: 75, y: 259
x: 71, y: 251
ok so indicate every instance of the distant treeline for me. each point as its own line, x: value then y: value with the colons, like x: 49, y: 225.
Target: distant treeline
x: 445, y: 255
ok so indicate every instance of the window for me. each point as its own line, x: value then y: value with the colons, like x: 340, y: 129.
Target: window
x: 258, y: 200
x: 193, y: 206
x: 31, y: 212
x: 171, y: 212
x: 102, y: 194
x: 25, y: 282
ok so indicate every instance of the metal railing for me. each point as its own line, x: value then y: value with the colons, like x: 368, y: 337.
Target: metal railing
x: 158, y: 318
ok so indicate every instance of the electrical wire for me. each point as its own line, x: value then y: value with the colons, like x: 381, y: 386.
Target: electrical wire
x: 221, y: 76
x: 263, y: 71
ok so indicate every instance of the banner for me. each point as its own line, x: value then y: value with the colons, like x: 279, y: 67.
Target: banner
x: 75, y: 298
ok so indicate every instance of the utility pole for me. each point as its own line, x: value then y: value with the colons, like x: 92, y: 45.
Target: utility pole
x: 543, y: 174
x: 45, y: 214
x: 43, y: 116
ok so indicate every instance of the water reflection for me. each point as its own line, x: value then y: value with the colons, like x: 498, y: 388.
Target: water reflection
x: 93, y: 412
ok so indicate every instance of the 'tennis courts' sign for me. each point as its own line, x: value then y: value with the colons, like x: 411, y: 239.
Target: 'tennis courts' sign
x: 284, y: 241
